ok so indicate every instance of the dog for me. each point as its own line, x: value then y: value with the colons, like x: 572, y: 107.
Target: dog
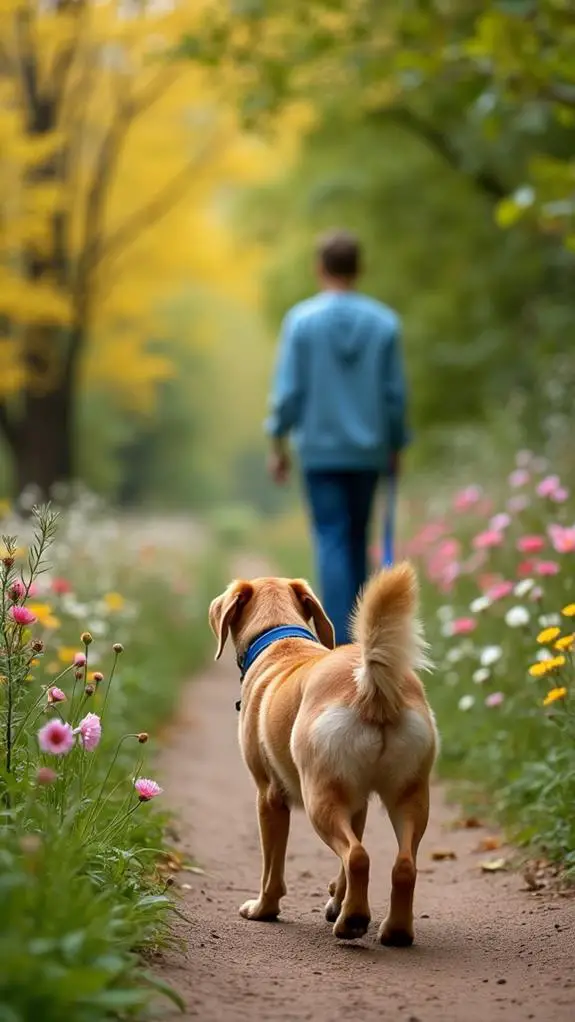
x: 325, y: 728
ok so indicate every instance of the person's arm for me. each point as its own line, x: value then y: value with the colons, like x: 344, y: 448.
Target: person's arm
x: 396, y: 399
x: 286, y: 398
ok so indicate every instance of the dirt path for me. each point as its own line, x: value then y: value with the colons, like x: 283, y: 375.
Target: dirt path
x: 484, y: 948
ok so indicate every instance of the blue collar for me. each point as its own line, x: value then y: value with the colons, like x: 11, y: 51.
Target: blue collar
x: 261, y: 643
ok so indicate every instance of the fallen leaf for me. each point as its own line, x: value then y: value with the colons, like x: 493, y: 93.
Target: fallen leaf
x: 493, y: 865
x: 441, y: 854
x: 489, y: 844
x: 195, y: 869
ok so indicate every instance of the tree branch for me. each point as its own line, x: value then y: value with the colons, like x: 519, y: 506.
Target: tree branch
x: 64, y: 60
x: 484, y: 179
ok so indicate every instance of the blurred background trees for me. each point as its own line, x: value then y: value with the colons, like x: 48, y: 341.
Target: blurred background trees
x: 164, y: 169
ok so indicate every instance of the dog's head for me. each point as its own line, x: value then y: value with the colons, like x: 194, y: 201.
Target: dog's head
x: 246, y: 609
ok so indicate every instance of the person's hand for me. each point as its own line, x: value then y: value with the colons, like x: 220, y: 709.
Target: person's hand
x: 279, y: 466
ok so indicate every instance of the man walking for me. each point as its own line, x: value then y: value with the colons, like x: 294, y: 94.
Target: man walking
x: 339, y: 389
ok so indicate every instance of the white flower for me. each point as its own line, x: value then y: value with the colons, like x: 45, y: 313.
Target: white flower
x: 543, y: 654
x: 455, y: 654
x: 490, y: 655
x: 479, y: 604
x: 481, y: 675
x: 548, y: 620
x: 445, y: 613
x: 466, y: 702
x: 517, y: 617
x: 523, y: 587
x: 447, y: 629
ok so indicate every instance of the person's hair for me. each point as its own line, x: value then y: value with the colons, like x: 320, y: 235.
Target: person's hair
x: 339, y: 254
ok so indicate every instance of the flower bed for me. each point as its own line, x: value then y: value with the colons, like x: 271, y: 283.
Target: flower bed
x: 95, y: 633
x: 499, y: 603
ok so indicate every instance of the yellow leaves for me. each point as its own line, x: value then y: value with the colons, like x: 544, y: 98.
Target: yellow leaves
x: 26, y: 302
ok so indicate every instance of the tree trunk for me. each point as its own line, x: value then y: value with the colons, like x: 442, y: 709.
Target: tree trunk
x: 43, y: 442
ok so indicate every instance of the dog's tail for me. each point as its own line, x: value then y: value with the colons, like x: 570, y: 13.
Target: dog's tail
x: 391, y: 639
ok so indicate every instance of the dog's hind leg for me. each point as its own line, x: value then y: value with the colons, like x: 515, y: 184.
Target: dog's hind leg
x: 409, y: 817
x: 274, y: 821
x: 338, y: 886
x: 329, y: 814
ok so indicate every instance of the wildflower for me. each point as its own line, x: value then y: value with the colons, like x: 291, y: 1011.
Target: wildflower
x: 548, y: 486
x: 147, y: 789
x: 479, y: 604
x: 546, y: 568
x: 562, y: 539
x: 445, y: 613
x: 466, y: 702
x: 490, y: 655
x: 61, y: 586
x: 55, y: 695
x: 560, y: 495
x: 8, y: 562
x: 536, y: 593
x: 554, y: 694
x: 543, y: 654
x: 22, y: 616
x: 569, y: 610
x: 546, y: 666
x: 86, y: 638
x: 97, y: 676
x: 549, y: 620
x: 565, y: 643
x: 480, y: 675
x: 548, y: 634
x: 56, y: 737
x: 45, y: 776
x: 523, y: 587
x: 517, y: 617
x: 118, y: 648
x: 530, y: 544
x: 455, y: 654
x: 90, y: 731
x: 143, y: 737
x: 500, y: 521
x: 486, y: 540
x: 79, y: 660
x: 500, y: 590
x: 467, y: 498
x: 16, y: 590
x: 114, y: 601
x: 520, y: 477
x: 89, y: 690
x: 494, y: 699
x: 518, y: 503
x: 463, y: 626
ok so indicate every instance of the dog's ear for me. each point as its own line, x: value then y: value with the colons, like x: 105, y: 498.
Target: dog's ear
x: 225, y: 609
x: 313, y: 609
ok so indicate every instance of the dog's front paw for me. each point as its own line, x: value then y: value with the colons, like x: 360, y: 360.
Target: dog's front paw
x: 257, y: 909
x: 395, y: 936
x: 332, y: 910
x: 351, y: 927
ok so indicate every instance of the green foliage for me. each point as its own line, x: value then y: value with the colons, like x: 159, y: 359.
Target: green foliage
x: 81, y: 894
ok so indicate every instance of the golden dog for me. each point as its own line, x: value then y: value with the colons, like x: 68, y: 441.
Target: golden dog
x: 326, y: 728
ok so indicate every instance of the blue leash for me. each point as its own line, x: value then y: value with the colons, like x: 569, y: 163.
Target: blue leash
x: 388, y: 539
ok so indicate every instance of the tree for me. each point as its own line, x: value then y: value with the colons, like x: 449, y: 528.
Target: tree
x: 115, y: 165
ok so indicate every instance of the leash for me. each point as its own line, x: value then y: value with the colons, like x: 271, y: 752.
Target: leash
x: 258, y: 645
x: 388, y: 538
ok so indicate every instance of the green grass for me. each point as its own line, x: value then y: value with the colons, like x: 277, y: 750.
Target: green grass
x: 80, y: 893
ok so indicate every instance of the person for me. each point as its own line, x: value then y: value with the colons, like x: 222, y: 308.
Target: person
x: 339, y: 391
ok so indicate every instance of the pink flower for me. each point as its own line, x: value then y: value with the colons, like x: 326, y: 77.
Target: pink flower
x: 61, y: 586
x: 500, y: 521
x: 16, y: 590
x: 55, y: 695
x: 487, y: 539
x: 147, y: 789
x: 90, y: 731
x: 22, y: 616
x: 494, y: 699
x: 548, y: 486
x: 525, y: 569
x: 500, y: 590
x: 520, y: 477
x: 467, y: 498
x: 562, y: 539
x: 463, y: 626
x: 56, y: 737
x: 546, y: 568
x: 518, y: 503
x: 79, y: 659
x: 530, y: 544
x: 45, y: 776
x: 560, y: 495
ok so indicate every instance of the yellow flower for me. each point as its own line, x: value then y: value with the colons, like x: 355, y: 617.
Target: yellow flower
x: 546, y: 666
x: 569, y: 610
x: 66, y: 654
x: 114, y: 601
x: 548, y: 634
x: 566, y: 642
x: 554, y: 695
x: 42, y: 611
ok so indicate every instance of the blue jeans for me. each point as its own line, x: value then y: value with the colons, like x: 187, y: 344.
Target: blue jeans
x: 340, y: 505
